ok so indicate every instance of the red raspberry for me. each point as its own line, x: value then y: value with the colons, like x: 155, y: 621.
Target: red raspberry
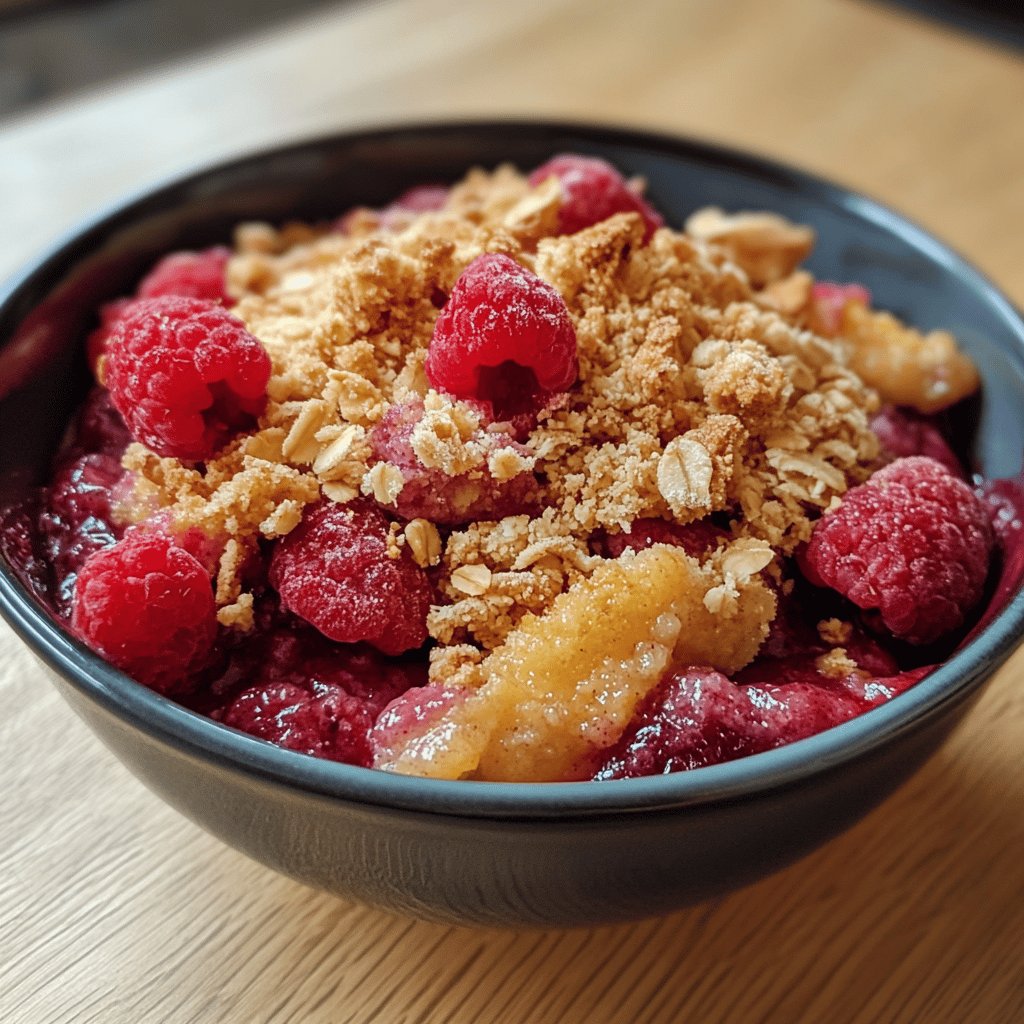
x: 593, y: 191
x: 185, y: 375
x: 98, y: 340
x: 432, y: 494
x: 828, y: 302
x: 333, y: 570
x: 696, y: 539
x: 904, y: 432
x: 504, y: 337
x: 98, y: 428
x: 410, y: 715
x: 400, y: 213
x: 192, y: 275
x: 912, y: 542
x: 77, y: 520
x: 317, y: 697
x: 696, y: 717
x: 147, y: 606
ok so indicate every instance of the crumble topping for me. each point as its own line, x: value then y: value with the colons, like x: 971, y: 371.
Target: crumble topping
x: 702, y: 390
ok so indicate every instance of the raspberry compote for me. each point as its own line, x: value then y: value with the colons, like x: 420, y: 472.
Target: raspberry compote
x: 510, y: 481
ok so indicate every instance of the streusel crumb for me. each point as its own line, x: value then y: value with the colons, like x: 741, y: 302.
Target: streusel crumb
x: 701, y: 393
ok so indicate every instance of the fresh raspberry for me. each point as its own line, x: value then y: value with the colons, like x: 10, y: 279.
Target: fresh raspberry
x: 77, y: 519
x: 432, y: 494
x: 829, y: 301
x: 147, y: 606
x: 904, y: 432
x: 696, y: 539
x: 696, y: 717
x: 192, y: 275
x: 593, y: 191
x: 504, y: 337
x: 185, y: 375
x: 334, y: 571
x: 913, y: 542
x: 98, y: 340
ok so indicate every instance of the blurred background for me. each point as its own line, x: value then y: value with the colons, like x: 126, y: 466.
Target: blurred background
x: 50, y: 49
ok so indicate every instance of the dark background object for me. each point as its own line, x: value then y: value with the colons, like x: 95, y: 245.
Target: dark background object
x: 1000, y: 20
x: 53, y: 48
x: 50, y: 49
x: 494, y: 853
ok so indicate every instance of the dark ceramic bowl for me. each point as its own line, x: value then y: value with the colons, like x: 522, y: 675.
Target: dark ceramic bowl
x: 551, y: 854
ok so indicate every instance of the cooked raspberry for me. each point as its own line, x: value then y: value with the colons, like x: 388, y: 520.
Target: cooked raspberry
x: 18, y: 544
x: 416, y: 200
x: 696, y: 539
x: 147, y: 606
x: 1004, y: 502
x: 504, y: 337
x: 399, y: 213
x: 913, y: 542
x: 432, y: 494
x: 192, y: 275
x: 696, y: 717
x: 329, y: 714
x: 333, y: 570
x: 77, y: 520
x: 829, y: 300
x: 98, y: 428
x: 410, y: 715
x: 185, y: 375
x: 904, y: 432
x: 593, y: 191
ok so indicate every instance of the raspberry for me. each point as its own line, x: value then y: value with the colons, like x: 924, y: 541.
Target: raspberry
x: 192, y: 275
x: 324, y: 721
x: 904, y: 432
x: 147, y: 606
x: 1004, y: 502
x: 98, y: 340
x: 503, y: 337
x: 399, y: 213
x: 696, y: 539
x: 411, y: 715
x: 593, y: 191
x: 828, y: 302
x: 696, y: 717
x: 913, y: 542
x: 432, y: 494
x: 333, y: 570
x: 77, y: 521
x: 185, y: 375
x: 416, y: 200
x: 305, y: 692
x: 98, y: 428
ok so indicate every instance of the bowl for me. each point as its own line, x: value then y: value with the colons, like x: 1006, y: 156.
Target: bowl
x: 498, y: 853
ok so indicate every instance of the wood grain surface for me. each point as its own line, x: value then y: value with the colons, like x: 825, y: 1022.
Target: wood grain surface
x: 115, y: 909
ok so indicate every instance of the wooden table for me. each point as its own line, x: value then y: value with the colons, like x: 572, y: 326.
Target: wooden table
x: 114, y: 909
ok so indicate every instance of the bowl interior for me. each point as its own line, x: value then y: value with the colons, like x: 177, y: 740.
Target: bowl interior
x: 45, y: 313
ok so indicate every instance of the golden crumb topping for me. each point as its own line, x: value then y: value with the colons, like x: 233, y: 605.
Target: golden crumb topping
x: 701, y: 392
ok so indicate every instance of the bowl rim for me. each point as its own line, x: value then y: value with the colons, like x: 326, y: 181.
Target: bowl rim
x: 195, y: 735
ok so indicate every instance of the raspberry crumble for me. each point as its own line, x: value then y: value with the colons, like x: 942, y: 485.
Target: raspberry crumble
x: 511, y: 481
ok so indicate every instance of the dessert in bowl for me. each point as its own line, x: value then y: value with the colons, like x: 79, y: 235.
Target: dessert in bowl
x: 634, y: 525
